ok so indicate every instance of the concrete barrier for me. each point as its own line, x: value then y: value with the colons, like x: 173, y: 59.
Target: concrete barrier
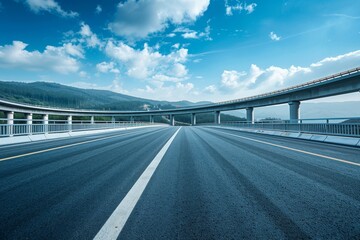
x: 342, y: 140
x: 350, y: 141
x: 41, y: 137
x: 319, y: 138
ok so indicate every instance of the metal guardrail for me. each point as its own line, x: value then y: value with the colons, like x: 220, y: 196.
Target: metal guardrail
x: 7, y: 130
x: 326, y: 128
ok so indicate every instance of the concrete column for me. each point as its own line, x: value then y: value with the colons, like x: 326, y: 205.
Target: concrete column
x: 46, y: 123
x: 92, y: 120
x: 250, y: 115
x: 217, y: 117
x: 132, y: 119
x: 294, y: 111
x: 69, y: 122
x: 10, y: 123
x: 29, y: 122
x: 151, y: 119
x: 193, y: 119
x: 113, y: 119
x: 172, y: 120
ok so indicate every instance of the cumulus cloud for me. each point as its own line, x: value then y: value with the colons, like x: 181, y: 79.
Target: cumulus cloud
x: 255, y: 81
x: 139, y: 18
x: 106, y: 67
x: 210, y: 89
x: 61, y: 59
x: 236, y: 5
x: 273, y: 36
x: 88, y: 36
x: 149, y: 63
x: 49, y: 6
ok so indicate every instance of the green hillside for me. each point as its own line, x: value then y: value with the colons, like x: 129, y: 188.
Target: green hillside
x: 57, y: 95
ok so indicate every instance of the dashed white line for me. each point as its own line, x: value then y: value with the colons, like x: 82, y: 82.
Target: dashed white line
x: 296, y: 150
x: 118, y: 218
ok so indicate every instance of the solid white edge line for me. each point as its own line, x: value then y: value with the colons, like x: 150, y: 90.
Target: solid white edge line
x: 65, y: 146
x: 296, y: 150
x: 113, y: 226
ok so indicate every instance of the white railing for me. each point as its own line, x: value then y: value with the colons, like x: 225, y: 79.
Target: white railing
x: 38, y: 127
x: 326, y: 126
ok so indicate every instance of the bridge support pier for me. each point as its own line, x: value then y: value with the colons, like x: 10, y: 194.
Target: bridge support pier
x: 92, y: 120
x: 151, y: 119
x: 217, y: 117
x: 294, y: 111
x: 10, y: 123
x: 132, y: 119
x: 250, y: 115
x: 193, y: 119
x: 46, y: 122
x: 172, y: 120
x: 29, y: 122
x: 69, y: 122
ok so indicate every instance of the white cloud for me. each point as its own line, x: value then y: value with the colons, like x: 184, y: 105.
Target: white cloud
x: 175, y: 91
x: 98, y: 9
x: 49, y: 6
x: 188, y: 35
x: 274, y: 37
x: 250, y: 8
x: 328, y: 60
x: 236, y: 5
x: 59, y: 59
x: 256, y: 80
x: 210, y: 89
x: 192, y: 34
x: 106, y: 67
x: 171, y: 35
x: 231, y: 79
x: 176, y: 45
x: 147, y: 63
x: 88, y: 36
x: 138, y: 19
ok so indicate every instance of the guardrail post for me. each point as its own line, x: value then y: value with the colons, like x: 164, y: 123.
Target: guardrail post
x: 113, y: 121
x: 294, y: 111
x: 250, y: 115
x: 69, y: 122
x: 46, y: 123
x: 29, y: 122
x: 217, y: 117
x: 10, y: 123
x: 193, y: 119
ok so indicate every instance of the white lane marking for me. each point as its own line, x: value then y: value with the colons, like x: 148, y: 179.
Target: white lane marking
x: 296, y: 150
x: 61, y: 147
x: 118, y: 218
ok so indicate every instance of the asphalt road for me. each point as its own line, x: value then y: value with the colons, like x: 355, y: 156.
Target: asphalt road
x: 210, y: 184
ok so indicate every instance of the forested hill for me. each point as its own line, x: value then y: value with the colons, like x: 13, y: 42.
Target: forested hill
x: 57, y: 95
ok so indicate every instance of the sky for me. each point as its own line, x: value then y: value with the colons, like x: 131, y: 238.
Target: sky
x: 196, y: 50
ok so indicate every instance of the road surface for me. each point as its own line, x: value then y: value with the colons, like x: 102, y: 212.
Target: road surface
x: 179, y: 183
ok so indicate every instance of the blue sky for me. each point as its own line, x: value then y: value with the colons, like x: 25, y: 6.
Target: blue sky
x: 181, y: 49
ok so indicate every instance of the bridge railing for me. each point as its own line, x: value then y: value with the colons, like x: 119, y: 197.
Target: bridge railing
x: 39, y: 127
x: 331, y: 126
